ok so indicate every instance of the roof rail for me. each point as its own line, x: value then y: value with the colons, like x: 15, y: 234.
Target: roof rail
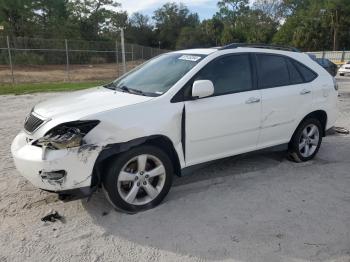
x: 265, y: 46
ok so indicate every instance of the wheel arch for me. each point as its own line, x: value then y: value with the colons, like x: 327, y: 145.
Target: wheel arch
x: 320, y: 115
x: 112, y: 150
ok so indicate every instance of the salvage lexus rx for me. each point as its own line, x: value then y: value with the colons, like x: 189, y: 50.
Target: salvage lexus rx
x: 175, y: 111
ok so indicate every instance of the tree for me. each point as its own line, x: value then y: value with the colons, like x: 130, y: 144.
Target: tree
x: 170, y: 19
x: 339, y: 13
x: 316, y: 25
x: 53, y: 19
x: 17, y: 16
x: 212, y: 30
x: 273, y: 9
x: 258, y: 27
x: 140, y: 30
x: 92, y: 16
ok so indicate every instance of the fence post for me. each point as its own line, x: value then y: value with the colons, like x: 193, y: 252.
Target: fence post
x: 132, y: 53
x: 123, y: 49
x: 343, y: 56
x: 67, y: 60
x: 323, y: 54
x: 10, y: 58
x: 116, y: 57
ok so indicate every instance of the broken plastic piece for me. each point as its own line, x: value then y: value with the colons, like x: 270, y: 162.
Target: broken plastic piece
x: 341, y: 130
x: 52, y: 217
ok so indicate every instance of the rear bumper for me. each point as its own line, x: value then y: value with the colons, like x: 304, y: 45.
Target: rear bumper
x: 54, y: 170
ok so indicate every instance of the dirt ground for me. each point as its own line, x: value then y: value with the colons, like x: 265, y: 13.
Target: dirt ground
x: 57, y: 73
x: 255, y: 207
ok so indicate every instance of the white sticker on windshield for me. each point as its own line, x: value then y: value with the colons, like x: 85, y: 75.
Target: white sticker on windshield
x: 190, y: 58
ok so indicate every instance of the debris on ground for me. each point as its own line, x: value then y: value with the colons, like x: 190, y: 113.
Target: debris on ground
x: 52, y: 217
x: 341, y: 130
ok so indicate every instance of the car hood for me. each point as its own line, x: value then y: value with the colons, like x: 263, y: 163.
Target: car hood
x: 87, y: 102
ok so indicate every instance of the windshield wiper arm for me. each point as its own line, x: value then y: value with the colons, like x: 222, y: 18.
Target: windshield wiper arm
x: 126, y: 89
x: 130, y: 90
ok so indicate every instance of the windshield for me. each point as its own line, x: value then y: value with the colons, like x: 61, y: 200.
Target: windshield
x: 158, y: 75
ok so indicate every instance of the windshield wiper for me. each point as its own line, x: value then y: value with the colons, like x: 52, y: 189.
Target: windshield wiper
x: 130, y: 90
x: 126, y: 89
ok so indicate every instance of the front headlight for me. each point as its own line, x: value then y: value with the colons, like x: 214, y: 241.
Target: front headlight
x: 67, y: 135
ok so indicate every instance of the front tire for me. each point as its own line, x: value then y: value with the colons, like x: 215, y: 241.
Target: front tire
x: 138, y: 179
x: 306, y: 140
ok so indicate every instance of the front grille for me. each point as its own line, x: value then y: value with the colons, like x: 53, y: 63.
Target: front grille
x: 32, y: 123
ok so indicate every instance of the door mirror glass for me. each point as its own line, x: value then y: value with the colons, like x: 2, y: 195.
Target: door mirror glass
x: 202, y: 88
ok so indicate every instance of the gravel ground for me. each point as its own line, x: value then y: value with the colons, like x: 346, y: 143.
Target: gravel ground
x: 255, y: 207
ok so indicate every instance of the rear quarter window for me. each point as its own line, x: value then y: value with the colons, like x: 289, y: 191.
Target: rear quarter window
x: 295, y: 76
x: 307, y: 73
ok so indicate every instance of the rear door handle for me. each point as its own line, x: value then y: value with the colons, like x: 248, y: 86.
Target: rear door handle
x: 252, y: 100
x: 305, y: 91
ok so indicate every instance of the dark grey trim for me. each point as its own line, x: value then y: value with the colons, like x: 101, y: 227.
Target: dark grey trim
x: 73, y: 194
x: 183, y: 131
x: 263, y: 46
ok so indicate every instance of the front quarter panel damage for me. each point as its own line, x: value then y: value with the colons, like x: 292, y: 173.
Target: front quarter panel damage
x: 77, y: 163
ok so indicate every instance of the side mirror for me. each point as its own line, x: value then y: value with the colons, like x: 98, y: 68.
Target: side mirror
x: 202, y: 88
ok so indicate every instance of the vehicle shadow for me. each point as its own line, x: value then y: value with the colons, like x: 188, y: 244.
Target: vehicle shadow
x: 193, y: 217
x: 239, y: 208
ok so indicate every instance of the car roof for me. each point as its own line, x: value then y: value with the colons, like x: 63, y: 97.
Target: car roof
x: 238, y: 48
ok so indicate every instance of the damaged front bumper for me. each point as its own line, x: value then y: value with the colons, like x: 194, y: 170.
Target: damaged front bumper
x: 54, y: 170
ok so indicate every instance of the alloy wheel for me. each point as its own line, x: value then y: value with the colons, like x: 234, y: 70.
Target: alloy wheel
x: 309, y: 140
x: 141, y: 179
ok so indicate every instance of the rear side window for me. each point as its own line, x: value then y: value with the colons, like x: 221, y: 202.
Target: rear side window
x: 307, y: 74
x: 273, y: 71
x: 229, y: 74
x: 294, y: 75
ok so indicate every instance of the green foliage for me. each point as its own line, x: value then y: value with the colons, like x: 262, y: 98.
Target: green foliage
x: 26, y: 58
x: 305, y: 24
x: 170, y: 19
x: 316, y: 25
x: 18, y: 89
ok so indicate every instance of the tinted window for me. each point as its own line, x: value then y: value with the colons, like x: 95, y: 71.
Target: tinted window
x: 229, y: 74
x: 294, y: 75
x: 307, y: 74
x: 273, y: 71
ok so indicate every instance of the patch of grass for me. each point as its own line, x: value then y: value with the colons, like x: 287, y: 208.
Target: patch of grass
x: 6, y: 89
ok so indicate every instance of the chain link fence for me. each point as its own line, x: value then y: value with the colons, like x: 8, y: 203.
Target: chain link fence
x: 337, y: 57
x: 35, y: 60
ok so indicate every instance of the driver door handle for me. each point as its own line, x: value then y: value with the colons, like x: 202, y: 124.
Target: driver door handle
x: 305, y: 91
x: 252, y: 100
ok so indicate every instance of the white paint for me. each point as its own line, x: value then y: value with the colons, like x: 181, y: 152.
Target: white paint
x: 216, y: 127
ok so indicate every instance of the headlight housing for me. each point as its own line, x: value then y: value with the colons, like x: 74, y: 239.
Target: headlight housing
x: 66, y: 135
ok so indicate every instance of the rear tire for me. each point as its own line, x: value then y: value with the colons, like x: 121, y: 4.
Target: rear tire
x: 138, y: 179
x: 306, y: 140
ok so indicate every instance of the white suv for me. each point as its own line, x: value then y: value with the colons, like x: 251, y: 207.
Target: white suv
x: 175, y: 111
x: 344, y: 69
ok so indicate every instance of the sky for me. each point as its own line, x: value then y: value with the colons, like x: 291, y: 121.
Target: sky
x: 204, y: 8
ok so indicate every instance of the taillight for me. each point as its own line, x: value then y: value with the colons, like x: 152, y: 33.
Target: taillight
x: 335, y: 84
